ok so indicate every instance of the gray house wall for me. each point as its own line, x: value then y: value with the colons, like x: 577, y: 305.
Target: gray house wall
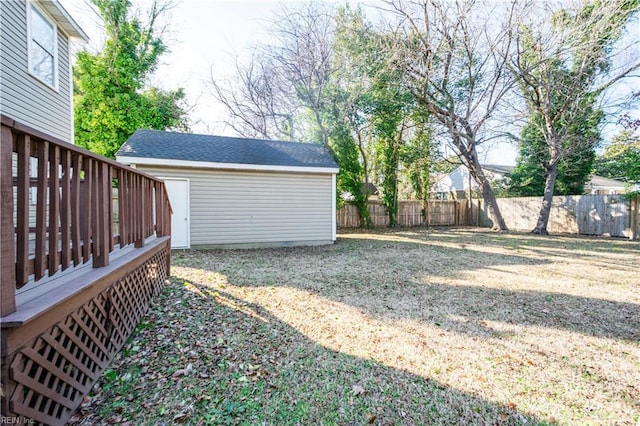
x: 256, y: 209
x: 22, y: 96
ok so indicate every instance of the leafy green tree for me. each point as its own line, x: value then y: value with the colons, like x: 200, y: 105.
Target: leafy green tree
x: 562, y: 69
x: 418, y: 157
x: 391, y: 110
x: 621, y: 159
x: 346, y: 137
x: 582, y: 137
x: 111, y: 100
x: 346, y: 106
x: 379, y: 109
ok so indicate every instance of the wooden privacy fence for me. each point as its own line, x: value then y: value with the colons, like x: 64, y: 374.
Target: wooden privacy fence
x: 410, y: 213
x: 610, y: 215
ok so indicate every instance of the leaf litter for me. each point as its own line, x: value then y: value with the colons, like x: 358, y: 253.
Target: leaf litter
x: 456, y: 326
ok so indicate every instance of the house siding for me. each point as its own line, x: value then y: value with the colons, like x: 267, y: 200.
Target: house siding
x: 23, y: 97
x: 256, y: 208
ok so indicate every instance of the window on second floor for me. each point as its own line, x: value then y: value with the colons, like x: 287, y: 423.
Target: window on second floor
x: 43, y: 61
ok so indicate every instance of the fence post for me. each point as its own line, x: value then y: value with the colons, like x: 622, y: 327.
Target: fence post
x: 8, y: 263
x: 635, y: 218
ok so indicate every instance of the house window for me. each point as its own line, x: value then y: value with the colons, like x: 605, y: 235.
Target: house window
x: 43, y: 61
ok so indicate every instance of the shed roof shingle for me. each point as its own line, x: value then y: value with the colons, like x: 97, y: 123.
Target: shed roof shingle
x: 223, y: 149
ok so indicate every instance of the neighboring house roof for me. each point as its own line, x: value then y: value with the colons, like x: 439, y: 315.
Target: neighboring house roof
x: 596, y: 182
x: 191, y: 150
x: 501, y: 170
x: 63, y: 19
x: 371, y: 188
x: 458, y: 180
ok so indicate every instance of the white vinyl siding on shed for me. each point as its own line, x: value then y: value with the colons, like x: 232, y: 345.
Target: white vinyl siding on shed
x: 25, y: 98
x: 249, y: 208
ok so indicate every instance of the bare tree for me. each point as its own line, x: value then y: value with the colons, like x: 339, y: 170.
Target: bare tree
x: 455, y: 64
x: 284, y: 79
x: 304, y: 54
x: 257, y: 101
x: 563, y: 63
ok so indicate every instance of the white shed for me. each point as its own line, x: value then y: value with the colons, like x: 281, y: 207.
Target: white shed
x: 238, y: 192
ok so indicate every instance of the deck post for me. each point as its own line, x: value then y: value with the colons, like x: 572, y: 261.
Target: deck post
x: 8, y: 262
x: 167, y: 227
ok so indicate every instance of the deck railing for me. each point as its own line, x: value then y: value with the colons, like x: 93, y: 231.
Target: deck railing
x: 57, y: 208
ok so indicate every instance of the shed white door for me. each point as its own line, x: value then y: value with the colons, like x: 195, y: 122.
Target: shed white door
x: 178, y: 190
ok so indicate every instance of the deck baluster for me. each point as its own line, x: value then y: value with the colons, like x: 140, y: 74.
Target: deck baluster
x: 54, y: 209
x: 23, y: 143
x: 7, y: 260
x: 65, y: 210
x: 40, y: 259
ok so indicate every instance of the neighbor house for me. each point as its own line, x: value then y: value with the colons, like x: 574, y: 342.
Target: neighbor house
x: 455, y: 185
x: 240, y: 192
x: 73, y: 283
x: 604, y: 186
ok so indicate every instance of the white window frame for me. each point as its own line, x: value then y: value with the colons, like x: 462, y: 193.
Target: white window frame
x: 31, y: 7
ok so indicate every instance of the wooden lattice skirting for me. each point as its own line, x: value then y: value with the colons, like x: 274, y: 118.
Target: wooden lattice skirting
x: 46, y: 377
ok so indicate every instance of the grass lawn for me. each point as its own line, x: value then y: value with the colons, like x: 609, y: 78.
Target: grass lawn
x: 440, y: 326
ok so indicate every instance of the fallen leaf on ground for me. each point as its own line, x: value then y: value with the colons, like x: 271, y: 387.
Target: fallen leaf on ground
x: 358, y: 390
x: 180, y: 372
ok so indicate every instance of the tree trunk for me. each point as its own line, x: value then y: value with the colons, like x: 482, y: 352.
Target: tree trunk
x: 363, y: 212
x: 545, y: 210
x: 489, y: 197
x: 492, y: 205
x: 550, y: 182
x: 393, y: 210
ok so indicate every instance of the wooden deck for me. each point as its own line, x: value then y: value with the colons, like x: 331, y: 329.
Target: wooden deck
x: 37, y: 297
x: 73, y: 283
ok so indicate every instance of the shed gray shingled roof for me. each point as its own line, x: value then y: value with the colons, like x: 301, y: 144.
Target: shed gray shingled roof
x: 222, y: 149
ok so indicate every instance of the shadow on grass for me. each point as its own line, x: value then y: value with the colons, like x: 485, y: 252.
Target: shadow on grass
x: 468, y: 309
x: 202, y: 356
x: 363, y: 271
x: 518, y: 239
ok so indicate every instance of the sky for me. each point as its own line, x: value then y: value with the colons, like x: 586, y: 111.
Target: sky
x: 205, y: 36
